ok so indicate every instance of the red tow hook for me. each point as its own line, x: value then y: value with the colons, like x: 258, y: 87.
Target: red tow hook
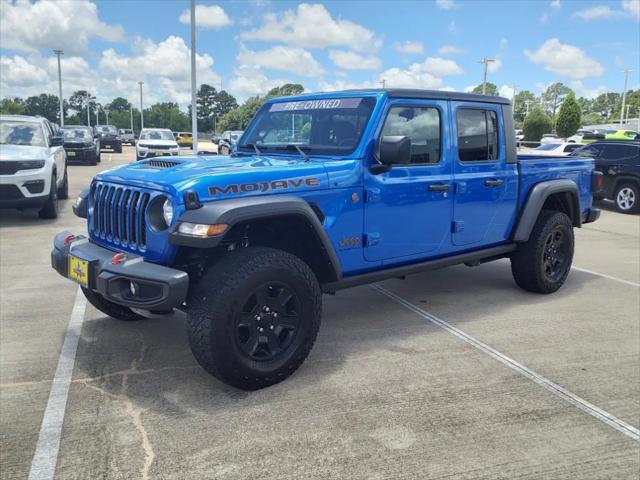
x: 118, y: 258
x: 68, y: 239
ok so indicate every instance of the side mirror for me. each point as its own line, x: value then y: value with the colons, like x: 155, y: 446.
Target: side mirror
x: 395, y: 149
x: 57, y: 141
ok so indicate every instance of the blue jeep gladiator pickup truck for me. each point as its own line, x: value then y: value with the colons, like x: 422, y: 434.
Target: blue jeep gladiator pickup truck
x: 321, y: 192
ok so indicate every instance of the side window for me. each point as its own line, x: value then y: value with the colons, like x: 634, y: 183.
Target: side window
x: 620, y: 152
x: 477, y: 135
x: 572, y: 147
x: 422, y: 126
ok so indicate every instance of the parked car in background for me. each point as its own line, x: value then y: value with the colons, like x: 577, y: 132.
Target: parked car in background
x: 519, y: 136
x: 619, y: 162
x: 555, y: 149
x: 109, y: 137
x: 127, y: 137
x: 33, y: 165
x: 155, y: 142
x: 228, y: 140
x: 81, y: 145
x: 621, y: 135
x: 550, y: 138
x: 184, y: 139
x: 215, y: 138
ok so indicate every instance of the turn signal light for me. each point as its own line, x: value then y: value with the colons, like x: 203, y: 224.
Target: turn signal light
x: 202, y: 230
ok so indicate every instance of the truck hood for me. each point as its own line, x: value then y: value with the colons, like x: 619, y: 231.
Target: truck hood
x: 217, y: 177
x: 163, y: 143
x: 22, y: 152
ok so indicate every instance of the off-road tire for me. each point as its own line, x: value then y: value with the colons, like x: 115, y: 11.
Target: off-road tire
x: 217, y: 301
x: 50, y: 208
x: 632, y: 199
x: 528, y: 262
x: 63, y: 191
x: 111, y: 309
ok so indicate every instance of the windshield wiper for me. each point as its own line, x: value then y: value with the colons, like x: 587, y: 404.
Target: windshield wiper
x: 293, y: 146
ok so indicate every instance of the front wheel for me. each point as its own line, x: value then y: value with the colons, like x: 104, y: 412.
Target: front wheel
x: 50, y: 208
x: 63, y: 191
x: 542, y: 264
x: 627, y: 198
x: 254, y: 316
x: 111, y: 309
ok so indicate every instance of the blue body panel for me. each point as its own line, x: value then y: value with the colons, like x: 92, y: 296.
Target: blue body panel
x: 393, y: 215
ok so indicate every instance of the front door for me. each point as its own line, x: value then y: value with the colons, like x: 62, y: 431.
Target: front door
x: 485, y: 185
x: 408, y: 209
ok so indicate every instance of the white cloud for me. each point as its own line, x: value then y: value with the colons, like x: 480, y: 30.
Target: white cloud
x: 207, y: 16
x: 339, y: 84
x: 408, y: 47
x: 565, y: 60
x: 504, y: 43
x: 596, y: 13
x: 44, y: 25
x: 312, y: 26
x: 453, y: 27
x: 249, y: 82
x: 354, y: 61
x: 494, y: 66
x: 583, y: 91
x: 446, y: 4
x: 17, y: 71
x: 427, y: 74
x: 450, y: 50
x: 555, y: 4
x: 287, y: 59
x: 632, y: 6
x: 506, y: 91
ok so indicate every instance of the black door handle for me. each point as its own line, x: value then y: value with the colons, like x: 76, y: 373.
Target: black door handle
x: 440, y: 187
x: 496, y: 182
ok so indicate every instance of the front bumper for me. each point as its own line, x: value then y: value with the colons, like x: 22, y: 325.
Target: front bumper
x: 80, y: 154
x: 157, y: 287
x: 110, y: 143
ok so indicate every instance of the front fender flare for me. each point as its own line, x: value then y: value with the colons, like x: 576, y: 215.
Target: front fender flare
x: 237, y: 210
x: 533, y: 205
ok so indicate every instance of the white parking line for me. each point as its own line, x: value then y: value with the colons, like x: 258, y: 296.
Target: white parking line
x: 608, y: 277
x: 43, y: 465
x: 554, y: 388
x: 110, y: 157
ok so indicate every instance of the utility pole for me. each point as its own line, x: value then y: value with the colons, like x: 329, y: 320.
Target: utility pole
x: 141, y: 109
x: 485, y: 61
x: 194, y: 106
x: 527, y: 103
x: 384, y: 83
x: 624, y: 93
x: 58, y: 53
x: 131, y: 113
x: 626, y: 117
x: 106, y: 112
x: 97, y: 110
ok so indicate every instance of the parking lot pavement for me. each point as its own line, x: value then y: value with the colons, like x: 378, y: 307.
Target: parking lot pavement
x: 385, y: 393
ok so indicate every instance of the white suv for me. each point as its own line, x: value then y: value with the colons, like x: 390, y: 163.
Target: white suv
x: 154, y: 142
x: 33, y: 165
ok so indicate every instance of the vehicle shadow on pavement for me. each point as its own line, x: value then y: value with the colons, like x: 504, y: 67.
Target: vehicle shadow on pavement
x: 24, y: 218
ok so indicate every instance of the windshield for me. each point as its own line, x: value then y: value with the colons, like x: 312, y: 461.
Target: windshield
x: 156, y: 135
x: 327, y: 126
x: 21, y: 133
x: 106, y: 129
x: 77, y: 134
x: 548, y: 146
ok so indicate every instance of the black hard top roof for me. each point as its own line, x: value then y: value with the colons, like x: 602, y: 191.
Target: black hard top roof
x: 436, y: 94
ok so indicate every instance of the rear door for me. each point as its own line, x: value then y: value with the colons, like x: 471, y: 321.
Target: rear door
x: 485, y: 185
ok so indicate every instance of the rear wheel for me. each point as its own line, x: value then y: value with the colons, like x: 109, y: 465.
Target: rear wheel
x: 50, y: 208
x: 627, y: 198
x: 254, y: 316
x: 542, y: 264
x: 111, y: 309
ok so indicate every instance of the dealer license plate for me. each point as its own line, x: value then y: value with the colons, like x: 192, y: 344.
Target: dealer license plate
x: 79, y: 271
x: 71, y: 154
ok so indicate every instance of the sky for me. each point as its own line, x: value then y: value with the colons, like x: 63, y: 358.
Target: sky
x: 250, y: 46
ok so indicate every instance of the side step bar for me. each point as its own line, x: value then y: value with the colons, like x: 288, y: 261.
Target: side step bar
x: 480, y: 256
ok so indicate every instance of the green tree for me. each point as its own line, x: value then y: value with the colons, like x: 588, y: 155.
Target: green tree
x: 569, y: 117
x: 536, y: 124
x: 607, y: 103
x: 12, y: 106
x: 520, y: 104
x: 166, y: 115
x: 205, y: 101
x: 553, y: 97
x: 118, y: 104
x: 286, y: 90
x: 491, y: 89
x: 78, y: 103
x: 45, y: 105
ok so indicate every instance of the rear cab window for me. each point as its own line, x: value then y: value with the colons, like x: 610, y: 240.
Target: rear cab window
x: 477, y: 135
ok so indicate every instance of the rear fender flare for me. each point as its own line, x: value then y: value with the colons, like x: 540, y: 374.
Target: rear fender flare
x: 238, y: 210
x: 533, y: 205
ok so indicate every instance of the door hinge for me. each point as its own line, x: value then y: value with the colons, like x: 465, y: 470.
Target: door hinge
x: 457, y: 227
x: 371, y: 195
x: 371, y: 239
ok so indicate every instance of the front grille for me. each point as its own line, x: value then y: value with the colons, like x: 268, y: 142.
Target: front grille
x: 119, y: 215
x: 11, y: 167
x: 10, y: 192
x: 156, y: 147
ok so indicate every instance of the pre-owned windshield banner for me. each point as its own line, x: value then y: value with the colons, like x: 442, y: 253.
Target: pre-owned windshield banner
x: 320, y: 104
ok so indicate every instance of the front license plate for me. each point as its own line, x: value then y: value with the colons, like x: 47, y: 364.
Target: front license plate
x: 71, y: 154
x: 79, y: 271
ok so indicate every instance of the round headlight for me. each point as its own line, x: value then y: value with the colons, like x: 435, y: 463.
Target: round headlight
x: 167, y: 211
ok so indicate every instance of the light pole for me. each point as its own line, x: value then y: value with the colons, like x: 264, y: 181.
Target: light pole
x: 58, y: 53
x: 485, y: 61
x: 96, y: 111
x: 88, y: 99
x: 106, y: 112
x: 194, y: 111
x: 626, y: 117
x: 624, y: 93
x: 141, y: 110
x: 527, y: 103
x: 131, y: 114
x: 513, y: 98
